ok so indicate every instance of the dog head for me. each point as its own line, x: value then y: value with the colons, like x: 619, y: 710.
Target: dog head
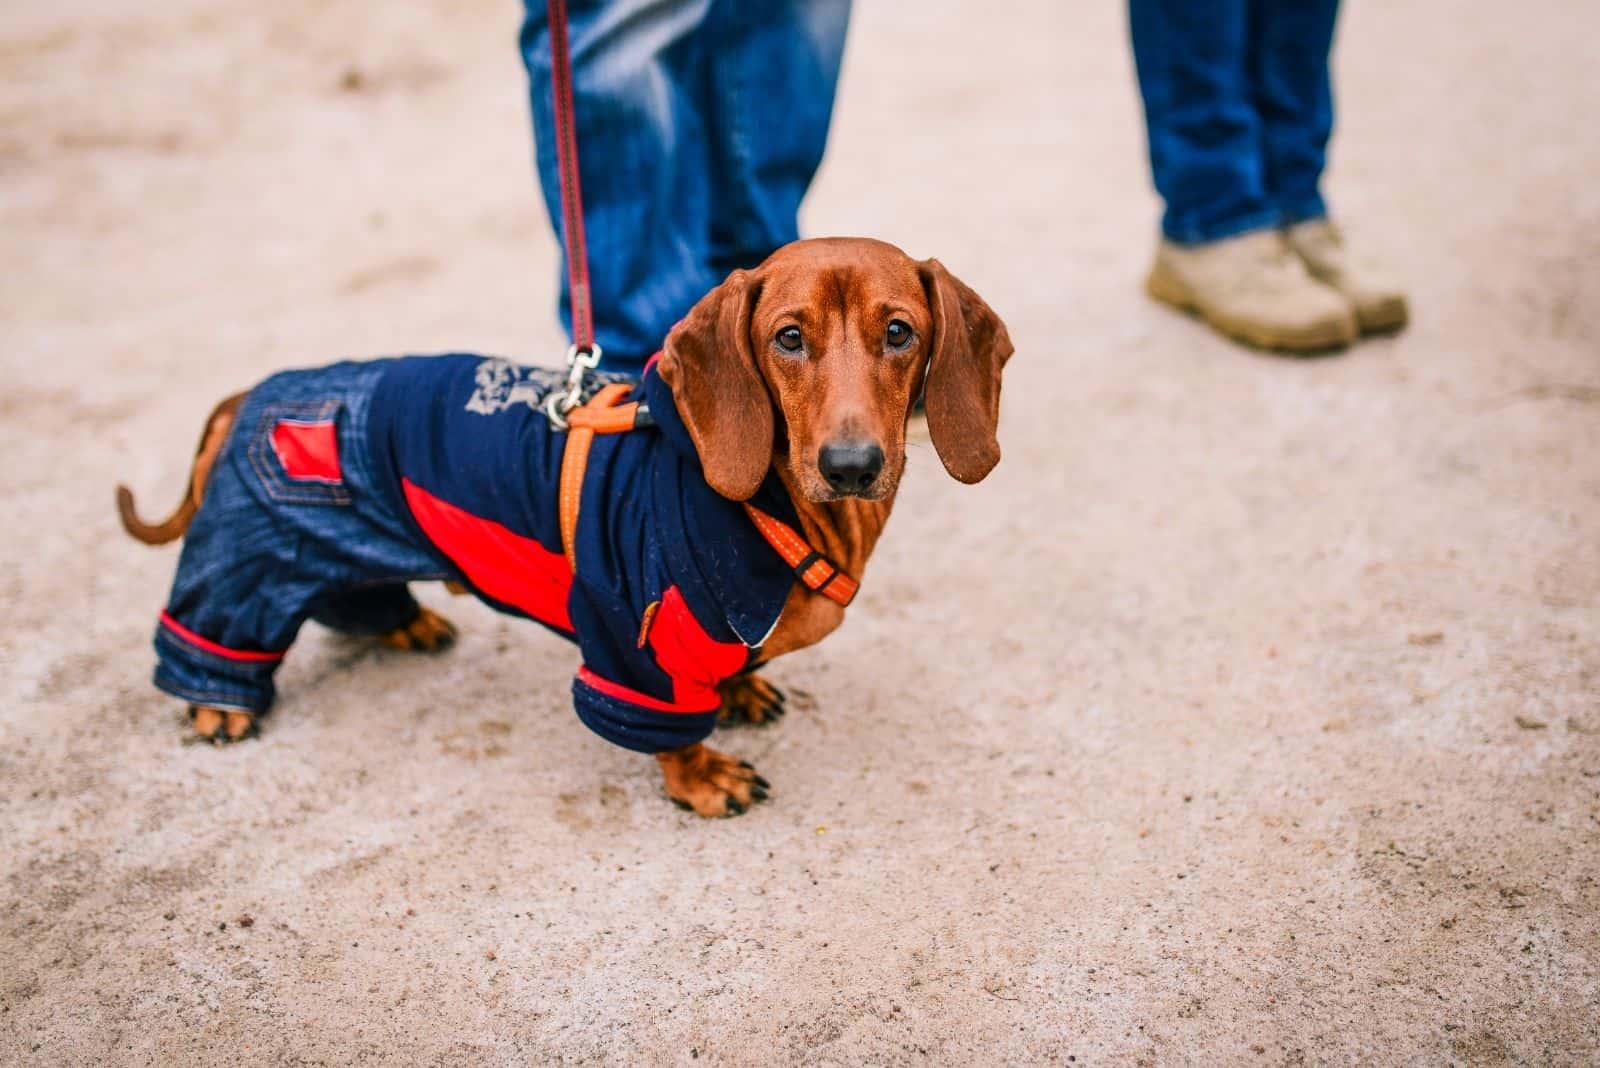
x: 814, y: 359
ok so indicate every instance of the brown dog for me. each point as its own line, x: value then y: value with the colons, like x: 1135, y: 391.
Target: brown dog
x: 808, y: 367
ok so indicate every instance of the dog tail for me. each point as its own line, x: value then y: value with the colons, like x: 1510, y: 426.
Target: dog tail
x: 160, y: 533
x: 218, y: 423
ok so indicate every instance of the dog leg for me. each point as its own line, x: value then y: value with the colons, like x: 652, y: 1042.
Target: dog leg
x: 751, y: 699
x: 428, y: 633
x: 221, y: 725
x: 713, y: 784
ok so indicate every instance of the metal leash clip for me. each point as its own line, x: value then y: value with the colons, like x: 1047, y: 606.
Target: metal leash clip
x: 579, y: 362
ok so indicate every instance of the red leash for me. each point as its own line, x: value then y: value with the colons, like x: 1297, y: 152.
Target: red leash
x: 571, y: 195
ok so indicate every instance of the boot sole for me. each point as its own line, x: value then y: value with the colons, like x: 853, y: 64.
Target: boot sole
x: 1321, y: 337
x: 1388, y: 317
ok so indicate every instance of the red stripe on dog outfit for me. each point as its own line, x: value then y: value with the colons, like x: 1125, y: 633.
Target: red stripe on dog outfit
x: 210, y: 646
x: 634, y: 697
x: 308, y: 451
x: 506, y: 566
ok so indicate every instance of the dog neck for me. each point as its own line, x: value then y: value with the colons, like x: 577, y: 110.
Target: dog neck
x: 845, y: 531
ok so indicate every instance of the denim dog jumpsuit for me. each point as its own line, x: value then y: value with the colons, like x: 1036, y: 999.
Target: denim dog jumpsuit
x: 339, y: 485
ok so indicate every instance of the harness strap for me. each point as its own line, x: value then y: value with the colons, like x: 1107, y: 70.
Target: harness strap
x: 603, y: 415
x: 819, y: 574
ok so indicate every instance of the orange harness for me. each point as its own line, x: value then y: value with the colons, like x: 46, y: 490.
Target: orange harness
x: 603, y: 415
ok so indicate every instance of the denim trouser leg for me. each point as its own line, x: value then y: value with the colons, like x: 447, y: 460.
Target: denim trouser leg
x: 1290, y: 43
x: 1204, y: 133
x: 772, y: 78
x: 700, y: 124
x: 367, y: 610
x: 272, y: 546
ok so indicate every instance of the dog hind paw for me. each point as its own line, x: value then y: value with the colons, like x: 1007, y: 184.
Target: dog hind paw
x: 220, y: 726
x: 428, y: 633
x: 749, y: 699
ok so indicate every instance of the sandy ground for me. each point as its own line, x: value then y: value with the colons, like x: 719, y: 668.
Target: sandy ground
x: 1250, y: 713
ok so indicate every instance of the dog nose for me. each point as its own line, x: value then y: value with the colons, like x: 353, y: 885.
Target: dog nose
x: 850, y: 466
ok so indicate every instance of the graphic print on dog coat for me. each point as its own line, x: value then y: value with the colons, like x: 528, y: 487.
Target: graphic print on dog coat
x: 339, y: 485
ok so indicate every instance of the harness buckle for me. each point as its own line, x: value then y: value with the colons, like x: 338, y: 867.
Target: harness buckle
x: 579, y: 362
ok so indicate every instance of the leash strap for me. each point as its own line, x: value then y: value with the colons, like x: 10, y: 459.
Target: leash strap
x: 572, y: 235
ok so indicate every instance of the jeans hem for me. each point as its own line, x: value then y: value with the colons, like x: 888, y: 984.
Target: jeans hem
x: 1205, y: 235
x: 1306, y: 211
x: 229, y: 700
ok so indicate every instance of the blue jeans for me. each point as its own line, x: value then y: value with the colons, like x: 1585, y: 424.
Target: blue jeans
x: 699, y: 124
x: 1239, y: 108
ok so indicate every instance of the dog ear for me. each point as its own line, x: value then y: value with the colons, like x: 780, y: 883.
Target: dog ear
x: 711, y: 368
x: 962, y: 387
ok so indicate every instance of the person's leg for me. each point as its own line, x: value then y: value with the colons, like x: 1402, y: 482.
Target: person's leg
x: 642, y: 158
x: 1290, y: 41
x: 771, y: 72
x: 1204, y: 133
x: 1222, y: 255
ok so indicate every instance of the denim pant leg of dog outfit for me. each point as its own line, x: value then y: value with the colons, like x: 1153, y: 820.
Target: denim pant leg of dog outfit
x: 290, y: 528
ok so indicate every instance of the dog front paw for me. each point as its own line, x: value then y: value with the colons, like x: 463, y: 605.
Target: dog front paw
x: 428, y: 633
x: 219, y: 726
x: 749, y: 699
x: 712, y: 784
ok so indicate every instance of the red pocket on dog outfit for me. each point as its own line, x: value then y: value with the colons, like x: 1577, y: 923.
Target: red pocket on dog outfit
x: 308, y: 451
x: 295, y: 453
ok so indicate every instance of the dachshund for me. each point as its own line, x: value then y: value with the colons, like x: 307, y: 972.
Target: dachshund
x: 684, y: 530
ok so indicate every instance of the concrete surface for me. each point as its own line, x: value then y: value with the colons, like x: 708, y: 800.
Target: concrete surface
x: 1248, y: 714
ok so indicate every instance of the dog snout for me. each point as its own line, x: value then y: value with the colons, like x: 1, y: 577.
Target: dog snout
x: 850, y: 467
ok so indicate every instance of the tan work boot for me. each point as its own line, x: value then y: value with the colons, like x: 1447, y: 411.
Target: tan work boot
x: 1254, y: 289
x: 1379, y: 302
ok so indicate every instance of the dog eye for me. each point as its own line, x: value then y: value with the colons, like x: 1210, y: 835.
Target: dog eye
x: 898, y: 335
x: 789, y: 339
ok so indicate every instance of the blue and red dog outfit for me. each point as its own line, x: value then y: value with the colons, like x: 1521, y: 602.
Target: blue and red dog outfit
x: 339, y: 485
